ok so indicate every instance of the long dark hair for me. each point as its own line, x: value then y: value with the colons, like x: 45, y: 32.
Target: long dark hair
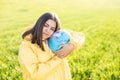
x: 37, y: 29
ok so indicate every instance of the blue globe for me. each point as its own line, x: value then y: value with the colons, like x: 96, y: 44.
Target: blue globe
x: 59, y: 38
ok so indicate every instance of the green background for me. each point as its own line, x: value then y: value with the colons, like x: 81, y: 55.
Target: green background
x: 99, y: 20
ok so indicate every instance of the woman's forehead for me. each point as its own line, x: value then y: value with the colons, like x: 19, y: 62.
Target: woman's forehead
x: 51, y: 23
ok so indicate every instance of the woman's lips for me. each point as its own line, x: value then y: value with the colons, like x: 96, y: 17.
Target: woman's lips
x: 45, y: 34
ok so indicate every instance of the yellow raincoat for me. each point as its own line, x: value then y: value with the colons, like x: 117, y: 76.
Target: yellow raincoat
x: 42, y: 65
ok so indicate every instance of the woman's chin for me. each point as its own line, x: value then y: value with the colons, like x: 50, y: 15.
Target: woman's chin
x: 44, y: 39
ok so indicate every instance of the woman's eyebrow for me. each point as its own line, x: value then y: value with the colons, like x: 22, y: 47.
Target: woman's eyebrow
x: 49, y: 25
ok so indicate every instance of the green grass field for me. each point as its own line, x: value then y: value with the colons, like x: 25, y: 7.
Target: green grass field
x: 99, y: 20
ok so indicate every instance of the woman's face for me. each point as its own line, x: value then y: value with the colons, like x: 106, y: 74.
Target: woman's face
x: 48, y: 29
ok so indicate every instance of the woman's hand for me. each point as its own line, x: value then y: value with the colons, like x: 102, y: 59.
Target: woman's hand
x: 66, y: 50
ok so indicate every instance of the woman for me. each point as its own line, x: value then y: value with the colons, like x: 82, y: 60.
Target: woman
x: 36, y: 59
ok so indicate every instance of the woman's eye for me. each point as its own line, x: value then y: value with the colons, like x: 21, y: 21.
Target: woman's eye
x: 52, y: 29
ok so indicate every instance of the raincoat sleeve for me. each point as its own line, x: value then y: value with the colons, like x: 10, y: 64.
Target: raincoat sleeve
x: 77, y: 38
x: 35, y: 68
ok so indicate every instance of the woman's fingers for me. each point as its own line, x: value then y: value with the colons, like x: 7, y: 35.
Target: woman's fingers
x: 66, y: 50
